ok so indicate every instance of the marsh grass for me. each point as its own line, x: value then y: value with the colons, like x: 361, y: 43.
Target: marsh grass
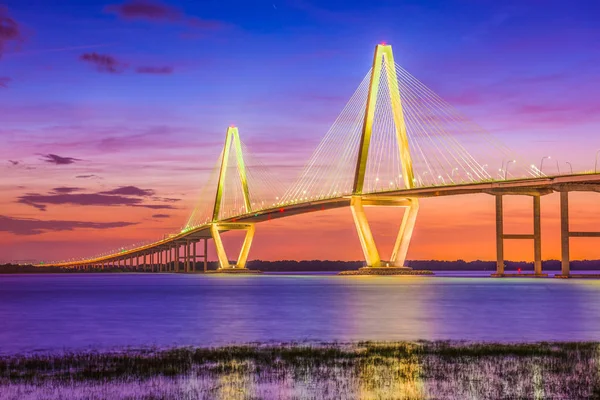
x: 366, y: 370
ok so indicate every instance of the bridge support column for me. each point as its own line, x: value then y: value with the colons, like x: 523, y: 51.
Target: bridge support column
x: 367, y: 242
x: 499, y: 236
x: 205, y: 255
x: 565, y: 268
x: 176, y: 266
x: 168, y: 259
x: 536, y: 236
x: 565, y: 235
x: 193, y: 266
x: 215, y: 230
x: 186, y: 257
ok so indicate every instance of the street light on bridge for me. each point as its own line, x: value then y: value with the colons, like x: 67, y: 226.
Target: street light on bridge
x: 596, y: 164
x: 542, y: 163
x: 570, y: 166
x: 506, y: 169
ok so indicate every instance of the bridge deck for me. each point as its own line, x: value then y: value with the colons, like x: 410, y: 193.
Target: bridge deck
x: 534, y: 186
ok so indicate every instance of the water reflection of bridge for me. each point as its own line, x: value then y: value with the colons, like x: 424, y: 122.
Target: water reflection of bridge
x: 394, y: 142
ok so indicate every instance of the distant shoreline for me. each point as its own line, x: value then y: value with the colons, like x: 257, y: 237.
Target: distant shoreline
x: 332, y: 266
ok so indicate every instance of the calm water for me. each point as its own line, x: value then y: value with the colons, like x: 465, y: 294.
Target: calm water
x: 97, y: 311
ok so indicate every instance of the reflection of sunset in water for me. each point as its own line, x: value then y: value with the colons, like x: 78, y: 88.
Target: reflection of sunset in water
x: 392, y: 377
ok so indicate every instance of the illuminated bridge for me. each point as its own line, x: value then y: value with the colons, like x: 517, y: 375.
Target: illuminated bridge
x: 394, y: 142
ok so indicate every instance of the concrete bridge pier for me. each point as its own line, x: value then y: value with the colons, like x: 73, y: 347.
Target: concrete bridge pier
x: 193, y: 266
x: 240, y: 265
x: 167, y: 259
x: 186, y: 256
x: 177, y: 258
x: 192, y: 256
x: 374, y: 264
x: 536, y: 236
x: 565, y: 235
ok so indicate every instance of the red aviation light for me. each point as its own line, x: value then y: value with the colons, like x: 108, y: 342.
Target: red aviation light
x: 281, y: 210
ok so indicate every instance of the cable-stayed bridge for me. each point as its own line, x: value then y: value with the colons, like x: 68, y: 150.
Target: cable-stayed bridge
x: 394, y: 142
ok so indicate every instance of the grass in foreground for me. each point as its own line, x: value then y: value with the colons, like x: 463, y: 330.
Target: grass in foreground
x: 399, y: 370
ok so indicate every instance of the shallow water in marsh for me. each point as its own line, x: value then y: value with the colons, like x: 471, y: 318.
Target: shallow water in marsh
x: 108, y: 311
x: 366, y: 371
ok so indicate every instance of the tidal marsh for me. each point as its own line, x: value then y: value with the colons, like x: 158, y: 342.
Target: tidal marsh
x: 366, y: 370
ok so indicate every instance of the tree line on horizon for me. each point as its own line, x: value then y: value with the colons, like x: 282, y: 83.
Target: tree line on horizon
x: 335, y: 266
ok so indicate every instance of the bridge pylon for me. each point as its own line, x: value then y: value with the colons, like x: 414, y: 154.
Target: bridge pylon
x: 384, y: 58
x: 232, y: 139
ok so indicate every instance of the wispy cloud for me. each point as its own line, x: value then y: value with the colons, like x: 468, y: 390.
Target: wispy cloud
x: 159, y: 216
x: 26, y: 226
x: 159, y: 12
x: 149, y: 10
x: 66, y: 190
x: 58, y: 160
x: 131, y: 196
x: 104, y: 62
x: 130, y: 191
x: 4, y: 80
x: 10, y: 31
x: 154, y: 70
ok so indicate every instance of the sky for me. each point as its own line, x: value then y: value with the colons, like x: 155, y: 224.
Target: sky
x: 113, y: 113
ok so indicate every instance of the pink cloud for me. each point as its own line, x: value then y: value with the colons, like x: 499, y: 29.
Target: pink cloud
x: 572, y: 112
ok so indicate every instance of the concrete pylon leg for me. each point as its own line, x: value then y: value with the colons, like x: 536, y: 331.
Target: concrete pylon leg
x: 499, y: 236
x: 537, y: 236
x: 177, y: 258
x: 221, y: 254
x: 409, y: 221
x: 564, y: 234
x: 365, y: 235
x: 367, y: 242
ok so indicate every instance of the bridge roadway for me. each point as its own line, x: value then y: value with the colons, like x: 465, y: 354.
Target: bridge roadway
x: 528, y: 187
